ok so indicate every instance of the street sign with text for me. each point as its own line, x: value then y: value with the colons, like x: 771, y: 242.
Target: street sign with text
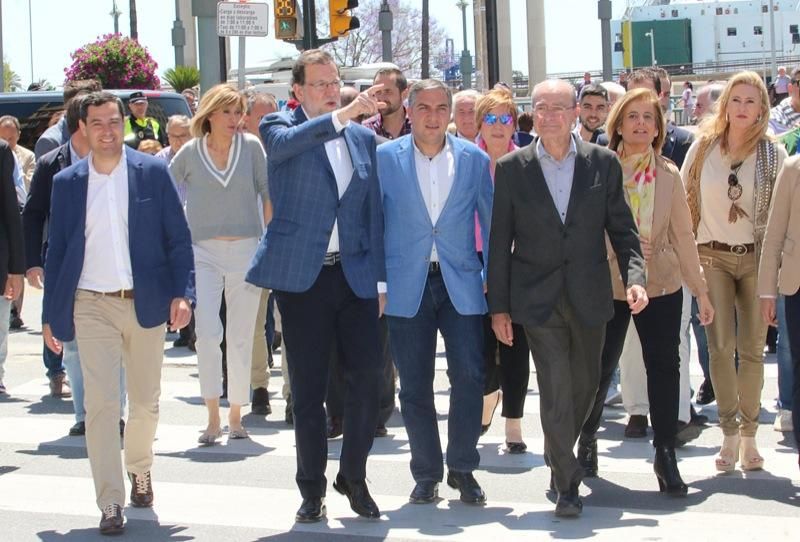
x: 242, y: 19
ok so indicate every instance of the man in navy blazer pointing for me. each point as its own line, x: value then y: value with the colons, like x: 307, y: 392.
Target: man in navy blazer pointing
x: 119, y: 266
x: 322, y: 255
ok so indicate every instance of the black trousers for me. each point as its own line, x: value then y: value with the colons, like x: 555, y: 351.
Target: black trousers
x: 566, y: 354
x: 793, y: 324
x: 313, y: 321
x: 658, y: 327
x: 507, y: 368
x: 334, y: 402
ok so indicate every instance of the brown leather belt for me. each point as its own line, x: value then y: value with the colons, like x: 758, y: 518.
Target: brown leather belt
x: 739, y: 250
x: 122, y: 294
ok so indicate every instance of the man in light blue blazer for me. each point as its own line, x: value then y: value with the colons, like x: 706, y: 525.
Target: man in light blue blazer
x: 433, y: 185
x: 323, y: 257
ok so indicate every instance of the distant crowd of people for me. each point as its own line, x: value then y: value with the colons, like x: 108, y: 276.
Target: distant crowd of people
x: 363, y: 224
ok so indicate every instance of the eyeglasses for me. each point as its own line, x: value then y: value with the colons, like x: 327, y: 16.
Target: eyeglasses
x: 543, y: 109
x: 734, y: 193
x: 324, y: 85
x: 491, y: 119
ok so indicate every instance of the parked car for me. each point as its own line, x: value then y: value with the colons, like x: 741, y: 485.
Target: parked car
x: 35, y: 109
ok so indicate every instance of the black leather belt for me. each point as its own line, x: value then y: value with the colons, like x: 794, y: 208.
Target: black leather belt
x: 434, y: 268
x: 332, y: 258
x: 739, y: 250
x: 122, y: 294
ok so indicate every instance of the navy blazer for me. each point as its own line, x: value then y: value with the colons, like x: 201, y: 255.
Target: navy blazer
x: 37, y: 207
x: 305, y: 202
x: 160, y: 244
x: 676, y: 144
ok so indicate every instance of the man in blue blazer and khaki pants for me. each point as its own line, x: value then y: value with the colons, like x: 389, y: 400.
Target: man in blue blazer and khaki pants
x: 433, y: 186
x: 323, y: 257
x: 119, y: 266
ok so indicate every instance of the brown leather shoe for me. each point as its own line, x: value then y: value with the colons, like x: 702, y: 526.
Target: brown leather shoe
x: 111, y: 521
x: 141, y: 490
x: 59, y: 387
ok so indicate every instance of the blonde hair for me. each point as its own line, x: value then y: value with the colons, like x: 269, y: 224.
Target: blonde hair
x: 490, y: 100
x: 218, y: 97
x: 617, y: 114
x: 717, y: 127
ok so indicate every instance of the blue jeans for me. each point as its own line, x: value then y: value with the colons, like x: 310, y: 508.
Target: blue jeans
x: 72, y: 365
x: 413, y: 342
x: 700, y: 339
x: 5, y: 315
x: 784, y: 353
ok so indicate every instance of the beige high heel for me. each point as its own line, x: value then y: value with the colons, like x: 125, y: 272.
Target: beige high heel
x: 751, y: 459
x: 728, y: 454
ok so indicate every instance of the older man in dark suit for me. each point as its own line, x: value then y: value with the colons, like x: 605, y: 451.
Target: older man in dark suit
x: 554, y: 202
x: 323, y: 257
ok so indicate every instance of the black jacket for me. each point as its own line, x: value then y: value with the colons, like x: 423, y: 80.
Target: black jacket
x: 12, y: 244
x: 36, y: 213
x: 676, y: 144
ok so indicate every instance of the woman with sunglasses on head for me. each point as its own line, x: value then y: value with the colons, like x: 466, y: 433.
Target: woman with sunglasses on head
x: 224, y: 172
x: 507, y: 367
x: 655, y: 194
x: 729, y: 173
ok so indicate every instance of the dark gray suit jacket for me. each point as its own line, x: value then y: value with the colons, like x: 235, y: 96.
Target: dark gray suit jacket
x: 551, y: 258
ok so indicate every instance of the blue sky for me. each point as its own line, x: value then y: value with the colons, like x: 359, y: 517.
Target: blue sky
x: 573, y: 33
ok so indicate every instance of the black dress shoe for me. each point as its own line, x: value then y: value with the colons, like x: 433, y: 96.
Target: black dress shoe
x: 141, y: 490
x: 516, y: 447
x: 425, y: 492
x: 334, y: 428
x: 121, y: 427
x: 465, y: 483
x: 705, y: 395
x: 587, y: 457
x: 687, y: 432
x: 78, y: 430
x: 311, y: 510
x: 381, y: 431
x: 288, y: 415
x: 181, y: 342
x: 637, y: 426
x: 695, y: 418
x: 357, y: 493
x: 260, y: 404
x: 665, y: 465
x: 569, y: 504
x: 111, y: 521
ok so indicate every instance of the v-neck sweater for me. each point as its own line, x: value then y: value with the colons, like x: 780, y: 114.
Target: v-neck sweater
x: 223, y: 202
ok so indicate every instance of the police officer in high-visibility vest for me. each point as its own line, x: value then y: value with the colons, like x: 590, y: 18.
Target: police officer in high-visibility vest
x: 138, y: 126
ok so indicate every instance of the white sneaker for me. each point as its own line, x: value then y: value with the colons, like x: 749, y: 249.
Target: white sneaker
x: 783, y: 421
x: 614, y: 397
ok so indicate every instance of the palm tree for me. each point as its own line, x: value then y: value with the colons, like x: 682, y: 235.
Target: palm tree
x: 134, y: 21
x: 425, y: 40
x: 10, y: 79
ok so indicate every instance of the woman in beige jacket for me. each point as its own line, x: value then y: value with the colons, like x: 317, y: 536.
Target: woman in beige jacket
x: 779, y: 270
x: 655, y: 193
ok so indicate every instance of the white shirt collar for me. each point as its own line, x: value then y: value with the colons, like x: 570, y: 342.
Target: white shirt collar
x: 121, y: 165
x: 446, y: 149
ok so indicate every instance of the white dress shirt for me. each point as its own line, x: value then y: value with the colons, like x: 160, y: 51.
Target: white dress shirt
x: 107, y: 258
x: 435, y: 176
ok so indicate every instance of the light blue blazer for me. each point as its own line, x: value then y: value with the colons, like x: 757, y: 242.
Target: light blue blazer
x: 409, y: 233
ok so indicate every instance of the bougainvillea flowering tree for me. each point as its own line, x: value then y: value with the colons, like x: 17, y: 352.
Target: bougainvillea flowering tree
x: 117, y: 62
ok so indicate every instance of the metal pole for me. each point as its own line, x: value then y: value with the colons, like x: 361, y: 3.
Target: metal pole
x: 30, y: 33
x: 2, y: 61
x: 178, y: 36
x: 207, y: 42
x: 465, y: 66
x: 309, y: 25
x: 115, y: 13
x: 385, y: 24
x: 773, y: 66
x: 492, y: 54
x: 240, y: 70
x: 652, y: 47
x: 604, y: 14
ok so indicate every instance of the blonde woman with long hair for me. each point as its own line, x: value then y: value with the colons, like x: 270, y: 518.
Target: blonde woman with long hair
x: 729, y: 175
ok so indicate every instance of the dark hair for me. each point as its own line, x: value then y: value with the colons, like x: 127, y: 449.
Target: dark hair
x: 312, y: 56
x: 95, y: 99
x: 525, y: 121
x: 429, y: 84
x: 594, y: 90
x: 689, y: 84
x: 73, y: 114
x: 645, y: 75
x: 400, y: 78
x: 80, y: 86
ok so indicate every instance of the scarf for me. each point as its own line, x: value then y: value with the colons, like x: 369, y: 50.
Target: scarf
x: 639, y: 181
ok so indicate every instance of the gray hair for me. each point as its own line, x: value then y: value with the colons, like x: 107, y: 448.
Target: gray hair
x: 555, y: 85
x: 254, y: 96
x: 715, y: 91
x: 429, y: 84
x: 179, y: 120
x: 469, y: 93
x: 12, y: 119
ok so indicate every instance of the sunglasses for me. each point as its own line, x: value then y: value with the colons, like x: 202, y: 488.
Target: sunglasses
x: 491, y: 119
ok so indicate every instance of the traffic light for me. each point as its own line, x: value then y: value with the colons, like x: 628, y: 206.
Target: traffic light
x: 286, y: 27
x: 341, y: 20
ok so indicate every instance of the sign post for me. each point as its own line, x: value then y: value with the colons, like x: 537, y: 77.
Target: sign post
x: 242, y: 19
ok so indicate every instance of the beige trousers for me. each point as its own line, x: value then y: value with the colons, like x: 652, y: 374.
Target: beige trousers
x: 259, y: 371
x: 737, y: 326
x: 110, y: 337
